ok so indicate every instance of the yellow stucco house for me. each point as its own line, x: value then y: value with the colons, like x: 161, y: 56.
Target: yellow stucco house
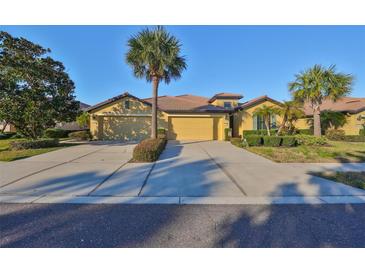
x: 185, y: 117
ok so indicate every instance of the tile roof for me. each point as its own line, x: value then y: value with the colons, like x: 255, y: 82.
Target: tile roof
x: 345, y: 104
x: 186, y: 102
x: 255, y: 101
x: 225, y: 95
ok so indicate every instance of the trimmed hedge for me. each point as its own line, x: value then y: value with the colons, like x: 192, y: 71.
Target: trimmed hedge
x: 161, y: 133
x: 306, y: 131
x: 288, y: 141
x: 261, y: 132
x: 227, y: 134
x: 362, y: 132
x: 80, y: 135
x: 310, y: 140
x: 32, y: 144
x: 272, y: 141
x: 56, y: 133
x: 6, y: 135
x: 149, y: 150
x: 335, y: 134
x: 354, y: 138
x: 253, y: 140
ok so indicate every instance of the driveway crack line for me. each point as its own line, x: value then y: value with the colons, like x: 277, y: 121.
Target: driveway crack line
x: 146, y: 179
x: 225, y: 172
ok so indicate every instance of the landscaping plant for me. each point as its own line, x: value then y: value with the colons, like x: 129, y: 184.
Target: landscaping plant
x: 149, y: 150
x: 272, y: 141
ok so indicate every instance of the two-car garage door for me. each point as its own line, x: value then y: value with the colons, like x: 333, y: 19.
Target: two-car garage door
x: 192, y: 128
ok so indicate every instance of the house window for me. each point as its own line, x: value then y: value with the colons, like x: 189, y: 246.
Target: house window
x: 227, y: 105
x: 126, y: 104
x: 259, y: 123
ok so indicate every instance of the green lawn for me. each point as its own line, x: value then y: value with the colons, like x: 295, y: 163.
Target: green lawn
x: 343, y: 152
x: 355, y: 179
x: 11, y: 155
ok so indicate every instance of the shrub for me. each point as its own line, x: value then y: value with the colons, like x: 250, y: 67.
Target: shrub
x: 310, y: 140
x: 6, y: 135
x: 237, y: 142
x: 306, y: 131
x: 354, y: 138
x: 17, y: 136
x: 335, y: 134
x: 56, y: 133
x: 80, y: 135
x: 272, y: 141
x: 288, y: 141
x: 253, y: 140
x: 31, y: 144
x: 149, y: 150
x: 362, y: 132
x: 261, y: 132
x: 161, y: 133
x: 227, y: 134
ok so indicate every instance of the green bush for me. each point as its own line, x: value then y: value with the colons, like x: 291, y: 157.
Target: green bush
x: 161, y: 133
x: 32, y: 144
x: 17, y: 135
x: 237, y: 142
x: 6, y: 135
x: 310, y: 140
x: 362, y: 132
x: 261, y: 132
x: 288, y: 141
x: 253, y: 140
x: 272, y: 141
x: 227, y: 134
x: 335, y: 134
x: 56, y: 133
x: 149, y: 150
x: 354, y: 138
x: 306, y: 131
x: 80, y: 135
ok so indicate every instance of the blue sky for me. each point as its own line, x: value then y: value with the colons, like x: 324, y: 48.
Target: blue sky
x: 251, y: 60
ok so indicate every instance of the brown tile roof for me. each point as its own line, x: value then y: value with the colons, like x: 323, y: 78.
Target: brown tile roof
x: 225, y: 95
x: 346, y: 104
x: 255, y: 101
x: 186, y: 102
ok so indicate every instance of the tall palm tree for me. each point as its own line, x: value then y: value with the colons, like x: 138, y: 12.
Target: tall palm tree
x: 266, y: 112
x: 319, y: 83
x: 290, y: 111
x: 155, y: 56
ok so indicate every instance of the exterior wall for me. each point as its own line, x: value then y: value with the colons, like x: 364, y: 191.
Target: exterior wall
x: 243, y: 120
x: 109, y: 118
x: 8, y: 127
x: 352, y: 126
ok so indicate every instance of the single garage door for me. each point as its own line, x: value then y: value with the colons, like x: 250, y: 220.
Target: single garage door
x: 187, y: 128
x: 126, y: 128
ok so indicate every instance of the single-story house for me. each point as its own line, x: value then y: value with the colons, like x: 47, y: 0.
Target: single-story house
x: 192, y: 117
x: 353, y: 108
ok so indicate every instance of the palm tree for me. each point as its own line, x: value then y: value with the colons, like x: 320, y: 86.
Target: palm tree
x: 331, y: 120
x: 266, y: 112
x: 290, y: 111
x: 155, y: 56
x: 319, y: 83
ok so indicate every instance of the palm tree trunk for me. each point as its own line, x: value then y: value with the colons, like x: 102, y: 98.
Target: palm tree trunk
x: 155, y: 82
x: 281, y: 126
x: 267, y: 124
x: 317, y: 121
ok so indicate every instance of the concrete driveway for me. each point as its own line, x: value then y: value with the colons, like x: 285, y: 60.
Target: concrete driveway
x: 187, y: 172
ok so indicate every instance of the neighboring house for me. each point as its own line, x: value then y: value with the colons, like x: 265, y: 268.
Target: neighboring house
x: 354, y: 108
x: 8, y: 127
x: 191, y: 117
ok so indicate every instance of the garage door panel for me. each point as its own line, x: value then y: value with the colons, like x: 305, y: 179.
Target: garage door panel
x: 126, y: 128
x: 187, y: 128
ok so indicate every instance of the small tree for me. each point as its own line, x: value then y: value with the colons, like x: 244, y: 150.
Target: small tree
x: 155, y: 56
x: 266, y: 112
x: 35, y: 90
x: 83, y: 119
x: 319, y: 83
x: 290, y: 112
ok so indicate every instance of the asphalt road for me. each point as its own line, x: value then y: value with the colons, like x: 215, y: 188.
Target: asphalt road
x: 71, y: 225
